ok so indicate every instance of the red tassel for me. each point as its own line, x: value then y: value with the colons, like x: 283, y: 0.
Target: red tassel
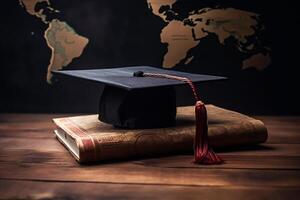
x: 202, y: 151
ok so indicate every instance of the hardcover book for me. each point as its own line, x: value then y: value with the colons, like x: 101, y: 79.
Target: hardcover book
x: 90, y: 140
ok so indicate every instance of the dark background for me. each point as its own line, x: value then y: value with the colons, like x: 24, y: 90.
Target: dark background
x: 125, y: 33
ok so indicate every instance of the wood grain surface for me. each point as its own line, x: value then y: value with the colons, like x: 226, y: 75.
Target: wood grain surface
x: 34, y: 165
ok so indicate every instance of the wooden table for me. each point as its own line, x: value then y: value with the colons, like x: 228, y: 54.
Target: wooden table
x: 34, y: 165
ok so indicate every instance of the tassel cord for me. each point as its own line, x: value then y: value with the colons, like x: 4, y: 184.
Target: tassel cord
x: 203, y: 153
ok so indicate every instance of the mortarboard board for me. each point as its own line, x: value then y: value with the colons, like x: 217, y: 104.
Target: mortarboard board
x: 145, y: 97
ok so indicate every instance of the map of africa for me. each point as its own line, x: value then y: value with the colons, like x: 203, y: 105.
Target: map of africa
x: 181, y: 33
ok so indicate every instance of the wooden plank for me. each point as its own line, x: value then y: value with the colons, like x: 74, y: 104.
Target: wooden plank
x: 11, y: 189
x: 270, y: 121
x: 50, y: 151
x: 282, y: 130
x: 51, y: 144
x: 127, y: 174
x: 27, y: 125
x: 30, y: 117
x: 233, y: 160
x: 36, y: 117
x: 273, y: 120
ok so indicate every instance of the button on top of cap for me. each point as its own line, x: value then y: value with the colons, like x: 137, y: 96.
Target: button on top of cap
x: 138, y: 74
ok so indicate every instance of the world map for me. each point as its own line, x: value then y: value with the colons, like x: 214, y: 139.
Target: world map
x: 181, y: 33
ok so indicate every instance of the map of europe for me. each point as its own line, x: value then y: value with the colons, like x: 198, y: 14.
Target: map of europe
x: 180, y: 33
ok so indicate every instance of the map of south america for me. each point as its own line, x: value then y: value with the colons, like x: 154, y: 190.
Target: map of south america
x: 61, y: 38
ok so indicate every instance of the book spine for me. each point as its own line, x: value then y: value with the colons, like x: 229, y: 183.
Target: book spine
x: 88, y: 151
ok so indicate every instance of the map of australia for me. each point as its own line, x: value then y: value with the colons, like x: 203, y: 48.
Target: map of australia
x: 181, y: 34
x: 61, y: 38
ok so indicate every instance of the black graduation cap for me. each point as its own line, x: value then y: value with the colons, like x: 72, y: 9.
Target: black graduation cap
x: 131, y: 99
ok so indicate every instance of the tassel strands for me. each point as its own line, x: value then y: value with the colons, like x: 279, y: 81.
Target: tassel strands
x: 203, y: 153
